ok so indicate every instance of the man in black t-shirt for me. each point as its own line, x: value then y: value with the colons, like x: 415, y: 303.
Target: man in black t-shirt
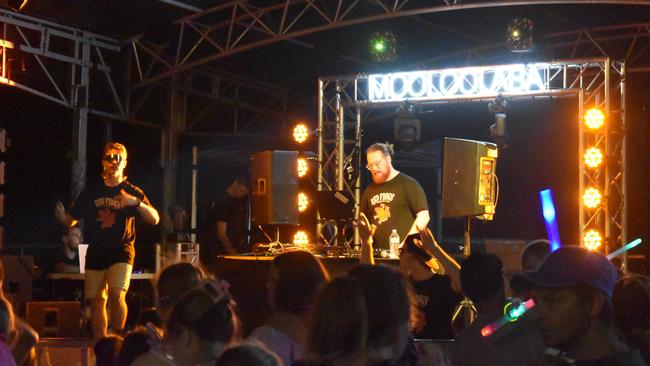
x: 228, y: 218
x: 394, y: 201
x: 108, y: 211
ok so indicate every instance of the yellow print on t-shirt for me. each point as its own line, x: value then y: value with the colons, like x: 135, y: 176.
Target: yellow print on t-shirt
x: 108, y: 202
x: 382, y: 213
x: 384, y: 197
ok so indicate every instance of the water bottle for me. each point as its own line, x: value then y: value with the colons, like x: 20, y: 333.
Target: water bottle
x: 393, y: 241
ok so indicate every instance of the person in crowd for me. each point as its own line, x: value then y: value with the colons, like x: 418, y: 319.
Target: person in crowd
x: 172, y: 283
x: 134, y: 344
x: 338, y: 326
x: 388, y: 308
x: 248, y: 355
x: 482, y: 282
x: 108, y: 210
x: 6, y: 324
x: 394, y: 201
x: 532, y: 256
x: 295, y: 279
x: 199, y: 327
x: 21, y: 338
x: 573, y: 292
x: 107, y: 350
x: 431, y: 280
x: 631, y: 305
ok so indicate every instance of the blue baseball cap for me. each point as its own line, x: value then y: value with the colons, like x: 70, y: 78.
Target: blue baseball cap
x: 572, y: 266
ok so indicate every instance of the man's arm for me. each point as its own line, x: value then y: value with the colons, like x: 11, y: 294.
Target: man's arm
x: 62, y: 216
x: 450, y: 266
x: 148, y: 213
x: 420, y: 223
x: 365, y: 232
x: 222, y: 227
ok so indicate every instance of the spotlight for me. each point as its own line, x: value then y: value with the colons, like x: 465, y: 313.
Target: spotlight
x: 593, y: 157
x: 17, y: 5
x: 594, y: 119
x: 592, y: 197
x: 519, y: 35
x: 300, y: 133
x: 592, y: 240
x: 302, y: 167
x: 300, y: 239
x: 303, y: 202
x: 383, y: 46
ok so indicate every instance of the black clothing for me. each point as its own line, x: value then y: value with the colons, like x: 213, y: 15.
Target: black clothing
x: 393, y: 205
x: 436, y: 300
x: 108, y: 228
x: 60, y: 257
x: 232, y: 211
x: 630, y: 358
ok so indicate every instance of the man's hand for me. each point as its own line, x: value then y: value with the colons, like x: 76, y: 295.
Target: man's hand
x: 366, y: 230
x: 127, y: 200
x: 62, y: 217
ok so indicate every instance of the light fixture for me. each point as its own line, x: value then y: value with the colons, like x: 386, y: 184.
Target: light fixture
x: 383, y: 46
x: 593, y: 157
x: 17, y: 5
x: 300, y: 133
x: 519, y: 35
x: 303, y: 168
x: 592, y: 240
x: 592, y: 197
x: 594, y: 119
x: 300, y: 239
x: 303, y: 202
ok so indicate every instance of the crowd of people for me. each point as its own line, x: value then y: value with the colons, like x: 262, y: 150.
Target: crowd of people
x: 585, y: 313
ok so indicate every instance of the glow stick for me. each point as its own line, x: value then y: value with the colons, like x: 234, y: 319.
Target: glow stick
x: 511, y: 312
x: 624, y: 248
x: 550, y: 218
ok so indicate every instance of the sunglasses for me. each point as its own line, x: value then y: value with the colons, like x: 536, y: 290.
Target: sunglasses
x: 113, y: 158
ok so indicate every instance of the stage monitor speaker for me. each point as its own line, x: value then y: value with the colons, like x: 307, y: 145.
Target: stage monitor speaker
x: 275, y: 187
x: 55, y: 318
x: 469, y: 184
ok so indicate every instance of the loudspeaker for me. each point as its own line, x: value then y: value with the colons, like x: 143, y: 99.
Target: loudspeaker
x: 19, y: 273
x: 274, y: 187
x: 55, y: 318
x: 469, y: 178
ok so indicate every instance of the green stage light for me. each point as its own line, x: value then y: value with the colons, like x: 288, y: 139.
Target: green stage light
x: 382, y: 46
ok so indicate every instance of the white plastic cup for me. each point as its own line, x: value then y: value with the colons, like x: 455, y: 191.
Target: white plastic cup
x: 82, y: 257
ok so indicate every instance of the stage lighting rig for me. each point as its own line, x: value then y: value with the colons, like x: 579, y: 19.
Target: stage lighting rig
x: 519, y: 35
x: 383, y: 46
x: 407, y: 125
x: 499, y: 131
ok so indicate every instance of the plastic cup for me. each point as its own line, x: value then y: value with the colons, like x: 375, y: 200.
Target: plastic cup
x: 82, y: 257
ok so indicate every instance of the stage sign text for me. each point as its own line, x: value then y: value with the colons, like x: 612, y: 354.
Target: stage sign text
x: 462, y: 82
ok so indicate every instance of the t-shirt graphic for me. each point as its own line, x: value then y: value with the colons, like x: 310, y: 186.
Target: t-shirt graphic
x: 107, y: 217
x: 392, y: 206
x: 109, y: 228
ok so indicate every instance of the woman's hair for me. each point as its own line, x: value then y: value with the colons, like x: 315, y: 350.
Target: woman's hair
x: 300, y: 277
x: 208, y: 312
x: 107, y: 350
x: 339, y: 323
x: 631, y: 303
x: 248, y: 355
x: 386, y: 149
x: 135, y: 344
x: 6, y: 317
x: 387, y: 301
x: 174, y: 281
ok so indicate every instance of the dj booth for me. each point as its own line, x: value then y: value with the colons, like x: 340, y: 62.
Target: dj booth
x: 248, y: 276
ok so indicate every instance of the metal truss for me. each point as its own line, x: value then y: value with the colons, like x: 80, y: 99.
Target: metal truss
x: 205, y: 90
x: 596, y: 82
x: 65, y: 57
x: 237, y: 26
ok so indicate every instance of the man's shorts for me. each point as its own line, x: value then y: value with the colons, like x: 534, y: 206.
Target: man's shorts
x: 98, y: 282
